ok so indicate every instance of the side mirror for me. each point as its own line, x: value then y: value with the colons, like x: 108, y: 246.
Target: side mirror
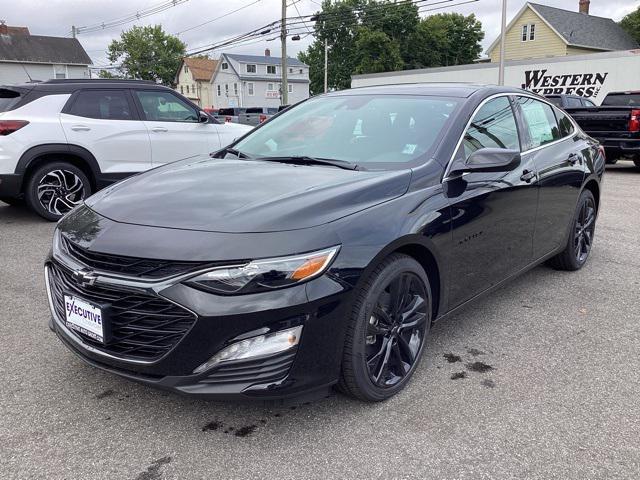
x: 203, y: 117
x: 489, y: 160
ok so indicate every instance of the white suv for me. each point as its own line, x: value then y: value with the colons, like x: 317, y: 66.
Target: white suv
x: 61, y: 140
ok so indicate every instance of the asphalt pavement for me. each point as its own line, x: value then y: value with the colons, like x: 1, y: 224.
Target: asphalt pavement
x: 561, y: 398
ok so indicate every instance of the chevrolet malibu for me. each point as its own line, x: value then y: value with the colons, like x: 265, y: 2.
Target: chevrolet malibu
x: 318, y: 249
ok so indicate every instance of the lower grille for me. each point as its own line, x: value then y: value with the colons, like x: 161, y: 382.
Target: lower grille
x: 264, y: 370
x: 143, y: 327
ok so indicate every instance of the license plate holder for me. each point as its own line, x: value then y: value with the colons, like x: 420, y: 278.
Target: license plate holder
x: 87, y: 317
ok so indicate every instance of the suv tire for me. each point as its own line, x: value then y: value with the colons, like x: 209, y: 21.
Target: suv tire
x: 55, y: 188
x: 382, y: 348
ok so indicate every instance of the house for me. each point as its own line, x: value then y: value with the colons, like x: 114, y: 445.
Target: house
x: 193, y: 80
x: 539, y: 31
x: 25, y: 57
x: 254, y: 81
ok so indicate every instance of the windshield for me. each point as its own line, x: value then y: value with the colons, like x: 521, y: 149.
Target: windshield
x: 622, y: 100
x: 374, y: 131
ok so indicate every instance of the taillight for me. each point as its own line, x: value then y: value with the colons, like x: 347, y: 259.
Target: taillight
x: 7, y: 127
x: 262, y: 118
x: 634, y: 123
x: 227, y: 119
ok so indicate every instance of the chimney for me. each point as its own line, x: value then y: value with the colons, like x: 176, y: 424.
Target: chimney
x: 4, y: 30
x: 267, y: 52
x: 584, y: 6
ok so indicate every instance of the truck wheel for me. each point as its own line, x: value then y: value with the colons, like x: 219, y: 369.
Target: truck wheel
x: 636, y: 161
x: 55, y: 188
x: 612, y: 160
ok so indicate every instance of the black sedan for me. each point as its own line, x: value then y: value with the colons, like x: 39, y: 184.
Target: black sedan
x: 318, y: 249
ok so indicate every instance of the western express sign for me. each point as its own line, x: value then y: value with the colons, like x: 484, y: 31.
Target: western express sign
x: 582, y: 84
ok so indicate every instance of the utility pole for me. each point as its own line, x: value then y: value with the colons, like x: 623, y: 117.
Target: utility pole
x: 283, y: 64
x: 326, y: 52
x: 73, y: 31
x: 502, y: 38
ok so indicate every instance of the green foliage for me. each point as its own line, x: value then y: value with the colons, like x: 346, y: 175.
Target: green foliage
x: 631, y: 23
x: 107, y: 74
x: 147, y: 53
x: 368, y: 36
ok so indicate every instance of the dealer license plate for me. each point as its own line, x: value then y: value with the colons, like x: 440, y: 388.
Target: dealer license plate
x: 84, y: 317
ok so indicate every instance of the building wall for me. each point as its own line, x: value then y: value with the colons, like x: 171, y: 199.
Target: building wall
x: 198, y: 92
x: 591, y: 76
x: 12, y: 72
x: 580, y: 51
x: 546, y: 44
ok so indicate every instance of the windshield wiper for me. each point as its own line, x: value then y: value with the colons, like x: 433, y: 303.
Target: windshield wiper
x: 305, y: 160
x: 232, y: 151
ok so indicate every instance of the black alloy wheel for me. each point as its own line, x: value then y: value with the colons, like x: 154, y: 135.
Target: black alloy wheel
x: 580, y: 241
x: 55, y: 189
x: 388, y: 329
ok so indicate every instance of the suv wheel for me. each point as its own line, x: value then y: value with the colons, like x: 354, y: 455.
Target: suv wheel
x: 576, y: 253
x: 55, y: 188
x: 388, y: 327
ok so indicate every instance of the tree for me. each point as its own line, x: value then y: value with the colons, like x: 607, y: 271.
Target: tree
x: 367, y: 36
x: 631, y: 23
x: 147, y: 53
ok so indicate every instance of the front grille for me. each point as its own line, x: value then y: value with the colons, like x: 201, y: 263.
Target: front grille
x: 131, y: 266
x: 143, y: 326
x: 270, y: 369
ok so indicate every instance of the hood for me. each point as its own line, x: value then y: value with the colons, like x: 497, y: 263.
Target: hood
x: 243, y: 196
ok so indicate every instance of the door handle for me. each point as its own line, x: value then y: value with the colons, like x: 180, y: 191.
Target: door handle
x: 527, y: 176
x: 159, y: 129
x: 80, y: 128
x: 573, y: 159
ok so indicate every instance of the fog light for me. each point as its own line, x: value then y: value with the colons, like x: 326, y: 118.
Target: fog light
x: 254, y: 347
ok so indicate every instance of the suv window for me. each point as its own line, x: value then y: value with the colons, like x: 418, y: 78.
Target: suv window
x: 165, y: 107
x: 540, y: 121
x: 588, y: 103
x: 557, y: 101
x: 493, y: 126
x: 102, y: 104
x: 565, y: 125
x: 8, y: 99
x: 574, y: 102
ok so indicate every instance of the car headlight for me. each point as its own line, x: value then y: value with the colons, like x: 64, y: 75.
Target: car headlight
x: 267, y: 274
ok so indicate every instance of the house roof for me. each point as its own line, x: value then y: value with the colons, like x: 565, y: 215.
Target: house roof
x: 201, y: 68
x: 42, y: 49
x: 264, y: 60
x: 582, y: 30
x: 578, y: 29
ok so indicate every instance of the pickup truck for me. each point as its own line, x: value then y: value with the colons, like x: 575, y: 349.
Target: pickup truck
x: 254, y: 116
x: 615, y: 124
x: 569, y: 101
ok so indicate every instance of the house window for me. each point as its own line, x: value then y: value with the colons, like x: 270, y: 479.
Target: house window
x: 271, y: 69
x: 226, y: 89
x: 187, y: 89
x: 186, y: 69
x: 291, y: 70
x: 300, y: 70
x: 251, y: 68
x: 224, y: 65
x: 193, y: 88
x: 219, y: 91
x: 290, y: 88
x: 529, y: 32
x: 60, y: 71
x: 235, y: 89
x: 181, y: 89
x: 250, y: 89
x: 270, y: 87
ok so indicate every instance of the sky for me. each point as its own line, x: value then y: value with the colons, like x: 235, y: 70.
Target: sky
x: 55, y: 17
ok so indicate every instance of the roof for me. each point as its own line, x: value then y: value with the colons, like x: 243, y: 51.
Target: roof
x: 201, y: 68
x: 42, y: 49
x: 581, y: 30
x: 15, y: 30
x: 444, y: 89
x: 264, y: 60
x: 71, y: 85
x: 253, y: 78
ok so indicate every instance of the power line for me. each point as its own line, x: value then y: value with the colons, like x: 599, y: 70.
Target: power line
x: 217, y: 18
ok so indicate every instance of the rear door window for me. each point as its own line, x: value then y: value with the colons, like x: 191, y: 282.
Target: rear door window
x: 564, y: 124
x: 493, y: 126
x: 540, y: 122
x: 102, y: 104
x: 622, y: 100
x: 161, y: 106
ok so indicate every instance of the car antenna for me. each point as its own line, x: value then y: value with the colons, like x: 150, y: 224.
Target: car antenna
x: 27, y: 72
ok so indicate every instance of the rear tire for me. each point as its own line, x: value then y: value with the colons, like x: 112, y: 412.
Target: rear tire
x: 636, y: 161
x: 387, y: 330
x: 580, y: 241
x: 55, y: 188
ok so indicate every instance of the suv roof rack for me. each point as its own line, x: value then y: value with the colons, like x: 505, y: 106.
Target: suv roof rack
x: 98, y: 80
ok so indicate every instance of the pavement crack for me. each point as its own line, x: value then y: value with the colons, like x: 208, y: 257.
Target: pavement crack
x: 153, y: 470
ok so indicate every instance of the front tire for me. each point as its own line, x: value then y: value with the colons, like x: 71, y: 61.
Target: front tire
x: 55, y: 188
x: 580, y: 241
x: 387, y: 330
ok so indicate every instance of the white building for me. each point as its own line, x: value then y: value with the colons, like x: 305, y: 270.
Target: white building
x: 193, y: 80
x: 254, y: 81
x: 25, y: 57
x: 591, y: 76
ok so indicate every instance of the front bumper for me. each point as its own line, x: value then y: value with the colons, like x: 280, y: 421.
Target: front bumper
x: 320, y: 306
